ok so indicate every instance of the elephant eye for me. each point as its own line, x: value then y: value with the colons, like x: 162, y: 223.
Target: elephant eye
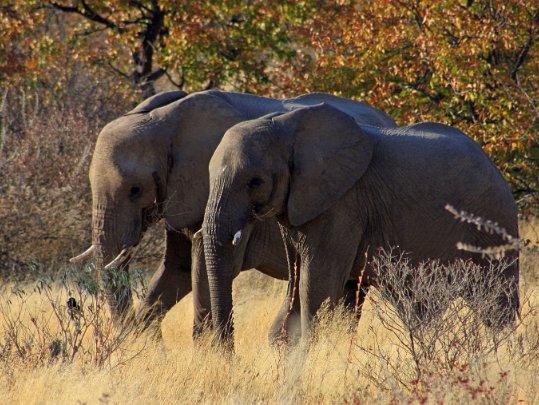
x: 255, y: 182
x: 134, y: 191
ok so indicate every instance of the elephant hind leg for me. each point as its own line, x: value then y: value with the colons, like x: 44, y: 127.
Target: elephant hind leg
x: 496, y: 311
x: 172, y: 280
x: 494, y: 297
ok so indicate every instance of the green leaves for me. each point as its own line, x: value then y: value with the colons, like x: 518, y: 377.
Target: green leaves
x: 474, y: 65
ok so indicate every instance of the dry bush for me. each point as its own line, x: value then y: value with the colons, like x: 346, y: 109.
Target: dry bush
x: 443, y: 316
x: 46, y: 144
x: 43, y: 199
x: 337, y: 367
x: 63, y: 320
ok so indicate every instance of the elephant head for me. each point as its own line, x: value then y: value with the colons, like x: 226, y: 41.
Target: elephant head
x: 144, y: 168
x: 293, y: 166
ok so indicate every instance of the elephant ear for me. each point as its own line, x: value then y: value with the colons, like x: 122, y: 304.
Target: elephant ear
x: 197, y: 124
x: 159, y: 100
x: 330, y: 154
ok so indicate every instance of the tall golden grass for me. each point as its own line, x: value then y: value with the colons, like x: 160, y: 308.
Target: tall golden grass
x: 344, y: 366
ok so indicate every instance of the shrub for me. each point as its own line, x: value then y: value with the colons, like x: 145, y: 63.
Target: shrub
x: 46, y: 145
x: 66, y: 324
x: 443, y: 316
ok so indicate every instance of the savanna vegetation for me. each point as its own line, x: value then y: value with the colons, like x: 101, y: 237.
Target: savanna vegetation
x: 67, y: 67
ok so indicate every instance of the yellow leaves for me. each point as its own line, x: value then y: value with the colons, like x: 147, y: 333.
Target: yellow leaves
x: 436, y: 60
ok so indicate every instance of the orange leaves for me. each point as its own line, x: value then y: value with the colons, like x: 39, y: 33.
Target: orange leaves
x: 450, y: 61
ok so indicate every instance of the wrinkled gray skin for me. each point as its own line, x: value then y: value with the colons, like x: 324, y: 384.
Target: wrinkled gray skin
x: 338, y: 190
x: 152, y: 164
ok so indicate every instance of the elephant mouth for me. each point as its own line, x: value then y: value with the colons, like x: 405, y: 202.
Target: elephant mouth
x: 125, y: 256
x: 261, y: 216
x: 150, y: 216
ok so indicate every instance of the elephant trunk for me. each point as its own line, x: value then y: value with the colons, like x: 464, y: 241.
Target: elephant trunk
x: 219, y: 230
x: 218, y: 250
x: 106, y: 242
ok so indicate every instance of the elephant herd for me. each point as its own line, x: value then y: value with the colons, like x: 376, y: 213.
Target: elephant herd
x: 305, y: 189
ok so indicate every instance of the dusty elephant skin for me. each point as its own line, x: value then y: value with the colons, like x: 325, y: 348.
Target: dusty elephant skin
x: 151, y: 164
x: 340, y: 189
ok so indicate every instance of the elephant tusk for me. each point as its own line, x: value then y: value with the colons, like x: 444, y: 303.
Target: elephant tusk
x: 84, y: 255
x: 237, y: 238
x: 119, y: 260
x: 197, y: 234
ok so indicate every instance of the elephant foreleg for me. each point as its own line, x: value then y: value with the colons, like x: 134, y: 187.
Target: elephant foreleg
x: 325, y: 265
x: 286, y: 327
x: 172, y: 280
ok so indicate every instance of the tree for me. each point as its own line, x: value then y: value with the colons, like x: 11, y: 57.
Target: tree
x: 195, y: 44
x: 472, y: 64
x: 138, y: 24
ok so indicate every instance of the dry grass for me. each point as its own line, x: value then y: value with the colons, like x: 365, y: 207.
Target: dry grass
x: 339, y: 366
x: 336, y: 368
x: 367, y: 365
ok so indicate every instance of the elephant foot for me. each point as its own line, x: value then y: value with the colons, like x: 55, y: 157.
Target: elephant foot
x: 201, y: 328
x: 285, y: 332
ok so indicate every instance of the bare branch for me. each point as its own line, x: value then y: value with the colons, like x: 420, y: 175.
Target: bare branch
x: 153, y: 76
x: 140, y: 6
x: 513, y: 243
x: 88, y: 13
x: 522, y: 56
x: 179, y: 84
x: 127, y: 76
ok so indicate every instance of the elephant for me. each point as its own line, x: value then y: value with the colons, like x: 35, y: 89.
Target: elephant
x: 151, y: 164
x: 341, y: 190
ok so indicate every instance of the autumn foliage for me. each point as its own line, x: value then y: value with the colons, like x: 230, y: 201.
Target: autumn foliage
x: 470, y: 64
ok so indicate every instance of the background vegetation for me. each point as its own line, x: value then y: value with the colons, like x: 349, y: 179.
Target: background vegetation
x: 69, y: 66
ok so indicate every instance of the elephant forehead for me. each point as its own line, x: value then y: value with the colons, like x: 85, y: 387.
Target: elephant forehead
x: 115, y: 169
x: 105, y: 180
x: 242, y: 156
x: 235, y: 164
x: 256, y: 130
